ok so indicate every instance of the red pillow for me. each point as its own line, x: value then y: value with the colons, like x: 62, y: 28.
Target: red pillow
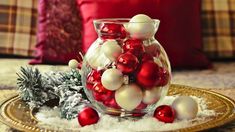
x: 59, y: 32
x: 179, y: 31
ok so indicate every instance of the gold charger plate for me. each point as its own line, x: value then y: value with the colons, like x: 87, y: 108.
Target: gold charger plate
x: 15, y: 113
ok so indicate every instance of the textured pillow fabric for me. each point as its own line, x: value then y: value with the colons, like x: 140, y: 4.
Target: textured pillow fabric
x: 218, y: 28
x: 18, y: 27
x: 58, y: 36
x: 179, y: 31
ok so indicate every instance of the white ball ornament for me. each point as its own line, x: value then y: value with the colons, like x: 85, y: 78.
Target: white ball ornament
x: 151, y: 96
x: 129, y: 96
x: 96, y: 58
x: 73, y: 64
x: 111, y: 49
x: 112, y: 79
x: 185, y: 107
x: 141, y: 26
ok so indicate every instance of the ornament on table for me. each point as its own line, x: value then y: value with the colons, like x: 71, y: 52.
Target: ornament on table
x: 129, y: 96
x: 127, y: 63
x: 88, y: 116
x: 134, y: 46
x: 111, y: 49
x: 165, y: 113
x: 73, y: 64
x: 112, y: 31
x: 141, y: 26
x: 185, y: 107
x: 112, y: 79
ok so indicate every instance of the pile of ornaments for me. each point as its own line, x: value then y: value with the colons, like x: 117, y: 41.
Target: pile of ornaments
x: 126, y: 73
x: 182, y: 108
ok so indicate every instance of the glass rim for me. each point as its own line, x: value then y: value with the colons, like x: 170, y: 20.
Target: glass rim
x: 121, y: 20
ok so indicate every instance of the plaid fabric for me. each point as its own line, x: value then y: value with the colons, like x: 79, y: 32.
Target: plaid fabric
x: 218, y: 28
x: 18, y: 19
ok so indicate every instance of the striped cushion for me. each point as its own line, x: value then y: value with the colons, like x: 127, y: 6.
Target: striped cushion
x: 218, y: 27
x: 18, y: 19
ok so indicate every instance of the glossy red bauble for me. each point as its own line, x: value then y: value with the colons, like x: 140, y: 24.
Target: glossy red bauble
x: 141, y: 106
x: 153, y: 50
x: 134, y: 46
x: 147, y: 76
x: 165, y: 113
x: 127, y: 63
x: 100, y: 93
x: 112, y: 103
x: 146, y: 57
x: 164, y: 77
x: 88, y: 116
x: 112, y: 31
x: 93, y: 77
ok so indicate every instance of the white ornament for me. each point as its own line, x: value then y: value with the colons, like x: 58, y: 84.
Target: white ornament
x: 141, y: 26
x: 95, y: 57
x: 111, y: 49
x: 73, y: 64
x: 129, y: 96
x: 151, y: 96
x: 185, y: 107
x: 112, y: 79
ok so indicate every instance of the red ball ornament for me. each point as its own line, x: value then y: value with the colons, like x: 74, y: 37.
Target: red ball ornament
x: 153, y: 50
x: 93, y: 77
x: 112, y: 31
x: 147, y: 76
x: 141, y: 106
x: 88, y: 116
x: 127, y: 63
x: 164, y: 77
x: 134, y: 46
x: 146, y: 57
x: 112, y: 103
x: 100, y: 93
x: 165, y: 114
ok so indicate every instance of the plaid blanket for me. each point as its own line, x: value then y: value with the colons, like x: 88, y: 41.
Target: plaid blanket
x: 18, y: 19
x: 218, y: 28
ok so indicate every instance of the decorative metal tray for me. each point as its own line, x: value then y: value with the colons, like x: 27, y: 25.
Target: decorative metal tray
x: 15, y: 113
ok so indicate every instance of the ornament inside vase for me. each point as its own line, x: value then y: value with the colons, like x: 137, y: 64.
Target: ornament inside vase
x: 135, y: 68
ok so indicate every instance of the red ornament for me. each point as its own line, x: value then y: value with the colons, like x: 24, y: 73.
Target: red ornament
x: 146, y: 57
x: 88, y: 116
x: 113, y: 31
x: 93, y: 77
x: 165, y: 114
x: 112, y: 103
x: 100, y: 93
x: 147, y: 75
x: 153, y: 50
x: 141, y: 106
x: 134, y: 46
x: 127, y: 63
x: 164, y: 77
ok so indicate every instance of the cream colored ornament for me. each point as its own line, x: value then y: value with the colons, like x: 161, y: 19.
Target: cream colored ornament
x: 151, y: 96
x: 141, y: 26
x: 96, y: 58
x: 185, y: 107
x: 73, y: 64
x: 129, y: 96
x: 112, y: 79
x: 111, y: 49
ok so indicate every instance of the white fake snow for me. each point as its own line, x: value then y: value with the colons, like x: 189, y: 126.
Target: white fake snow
x: 49, y: 118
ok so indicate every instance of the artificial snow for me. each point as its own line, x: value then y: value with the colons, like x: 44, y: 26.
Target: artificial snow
x: 50, y: 118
